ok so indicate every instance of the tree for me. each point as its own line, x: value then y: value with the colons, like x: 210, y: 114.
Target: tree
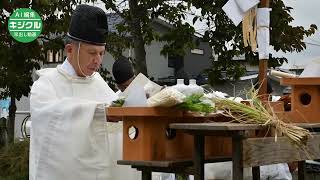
x: 222, y: 31
x: 19, y: 60
x: 138, y: 16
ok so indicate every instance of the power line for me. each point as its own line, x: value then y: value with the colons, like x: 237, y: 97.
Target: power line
x: 314, y: 44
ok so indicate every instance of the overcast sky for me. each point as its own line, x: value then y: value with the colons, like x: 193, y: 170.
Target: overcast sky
x: 305, y: 12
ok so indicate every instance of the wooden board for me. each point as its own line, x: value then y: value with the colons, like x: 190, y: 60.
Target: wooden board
x: 156, y: 111
x: 264, y: 151
x: 143, y: 111
x: 300, y: 81
x: 217, y: 126
x: 162, y: 164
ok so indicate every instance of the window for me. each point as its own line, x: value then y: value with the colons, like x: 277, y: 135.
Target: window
x: 175, y: 62
x: 197, y: 51
x: 55, y: 56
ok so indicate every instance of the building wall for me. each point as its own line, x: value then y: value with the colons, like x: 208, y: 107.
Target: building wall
x: 157, y: 64
x: 195, y: 64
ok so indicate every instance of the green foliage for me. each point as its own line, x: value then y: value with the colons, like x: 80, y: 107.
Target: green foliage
x: 227, y: 41
x: 14, y: 161
x: 194, y: 103
x: 181, y: 177
x: 16, y: 67
x: 178, y: 38
x: 225, y: 38
x: 19, y: 60
x: 106, y: 75
x: 117, y: 43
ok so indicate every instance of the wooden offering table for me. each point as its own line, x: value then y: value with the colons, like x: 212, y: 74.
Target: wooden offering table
x: 170, y: 140
x: 305, y: 100
x: 250, y: 152
x: 147, y: 136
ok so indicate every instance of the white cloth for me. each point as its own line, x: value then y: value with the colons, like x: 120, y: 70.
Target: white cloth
x: 69, y: 138
x: 67, y: 67
x: 223, y: 171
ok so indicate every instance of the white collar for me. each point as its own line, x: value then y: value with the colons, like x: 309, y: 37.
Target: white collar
x: 68, y: 68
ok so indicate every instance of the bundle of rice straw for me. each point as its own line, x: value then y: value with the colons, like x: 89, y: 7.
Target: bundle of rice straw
x: 249, y: 29
x: 258, y: 112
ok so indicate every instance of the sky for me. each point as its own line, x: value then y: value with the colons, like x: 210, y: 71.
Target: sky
x: 304, y: 12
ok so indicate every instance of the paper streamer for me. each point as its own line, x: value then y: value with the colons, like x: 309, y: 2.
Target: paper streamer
x: 263, y: 17
x: 263, y: 32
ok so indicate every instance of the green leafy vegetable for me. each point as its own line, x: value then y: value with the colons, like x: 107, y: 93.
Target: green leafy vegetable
x: 117, y: 103
x: 194, y: 103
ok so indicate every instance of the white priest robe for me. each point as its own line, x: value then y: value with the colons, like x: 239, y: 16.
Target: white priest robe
x: 69, y: 139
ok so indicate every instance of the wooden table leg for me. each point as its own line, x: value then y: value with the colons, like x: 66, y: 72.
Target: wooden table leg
x: 256, y: 173
x: 302, y: 170
x: 146, y: 175
x: 198, y: 157
x: 237, y: 168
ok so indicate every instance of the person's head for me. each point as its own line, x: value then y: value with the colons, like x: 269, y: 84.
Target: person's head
x: 122, y: 71
x: 85, y: 41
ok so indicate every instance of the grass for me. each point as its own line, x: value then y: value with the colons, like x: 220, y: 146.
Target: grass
x: 14, y: 161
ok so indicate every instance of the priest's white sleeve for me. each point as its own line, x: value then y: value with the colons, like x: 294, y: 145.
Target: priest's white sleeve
x: 68, y: 137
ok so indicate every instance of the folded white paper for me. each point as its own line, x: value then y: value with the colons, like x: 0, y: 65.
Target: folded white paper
x: 136, y: 97
x: 245, y: 5
x: 233, y: 11
x: 150, y: 87
x: 236, y: 9
x: 140, y: 79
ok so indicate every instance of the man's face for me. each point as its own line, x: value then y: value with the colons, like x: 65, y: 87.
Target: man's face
x: 90, y: 57
x: 124, y: 85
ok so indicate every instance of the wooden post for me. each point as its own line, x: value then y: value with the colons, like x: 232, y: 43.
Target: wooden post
x: 237, y: 149
x: 146, y: 175
x: 198, y: 157
x: 256, y: 173
x: 263, y: 64
x: 302, y: 170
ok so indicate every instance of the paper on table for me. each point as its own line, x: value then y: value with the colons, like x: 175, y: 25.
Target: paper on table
x: 149, y: 86
x: 236, y: 9
x: 140, y: 79
x: 152, y: 88
x: 136, y: 97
